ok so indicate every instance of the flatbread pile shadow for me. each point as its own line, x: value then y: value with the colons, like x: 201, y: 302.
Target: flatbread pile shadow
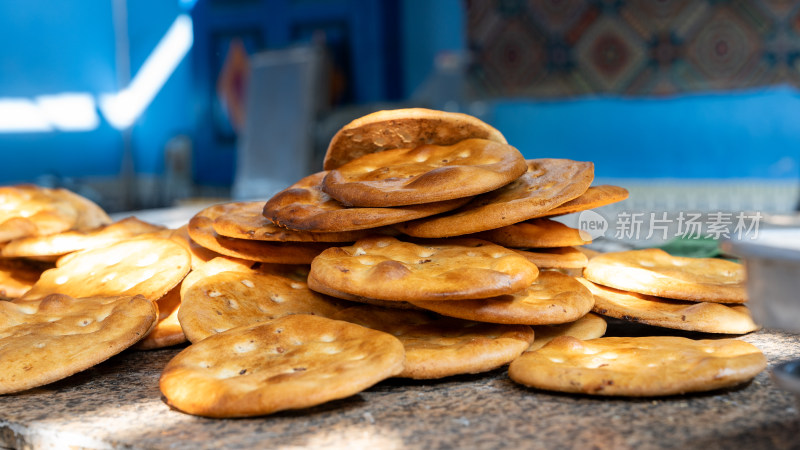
x: 427, y: 247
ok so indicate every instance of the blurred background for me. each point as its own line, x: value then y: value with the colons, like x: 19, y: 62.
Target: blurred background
x: 690, y: 104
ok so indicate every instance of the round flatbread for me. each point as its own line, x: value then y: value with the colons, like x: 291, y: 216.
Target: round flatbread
x: 201, y: 230
x: 304, y: 206
x: 676, y: 314
x: 590, y: 253
x: 590, y: 326
x: 142, y: 266
x: 552, y: 298
x: 656, y: 272
x: 293, y: 362
x: 75, y: 240
x: 54, y: 337
x: 536, y: 233
x: 594, y: 197
x: 227, y: 300
x: 90, y: 214
x: 638, y: 366
x: 425, y: 174
x: 547, y: 184
x: 213, y: 267
x: 167, y: 330
x: 316, y: 286
x: 439, y: 346
x: 17, y: 276
x: 403, y: 128
x: 388, y: 269
x: 200, y: 254
x: 29, y: 210
x: 244, y: 220
x: 562, y: 258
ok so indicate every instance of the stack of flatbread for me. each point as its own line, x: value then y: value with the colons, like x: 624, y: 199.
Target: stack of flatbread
x: 426, y: 248
x: 79, y: 288
x: 653, y: 287
x: 430, y: 228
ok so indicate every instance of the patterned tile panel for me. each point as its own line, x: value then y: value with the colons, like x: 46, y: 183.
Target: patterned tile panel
x: 560, y: 48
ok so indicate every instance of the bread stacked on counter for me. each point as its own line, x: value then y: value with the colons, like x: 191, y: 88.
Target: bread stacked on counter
x: 653, y: 287
x: 425, y: 248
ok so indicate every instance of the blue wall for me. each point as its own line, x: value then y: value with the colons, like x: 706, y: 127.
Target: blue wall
x: 733, y: 135
x: 57, y: 47
x: 171, y: 112
x: 429, y: 27
x: 54, y: 47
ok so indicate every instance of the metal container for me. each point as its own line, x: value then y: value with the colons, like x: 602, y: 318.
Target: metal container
x: 772, y: 262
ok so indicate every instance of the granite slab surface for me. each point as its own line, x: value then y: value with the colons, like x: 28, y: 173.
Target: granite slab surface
x: 118, y: 405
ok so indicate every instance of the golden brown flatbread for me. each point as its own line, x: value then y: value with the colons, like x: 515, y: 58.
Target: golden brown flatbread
x: 594, y: 197
x: 244, y: 220
x: 536, y: 233
x: 656, y: 272
x: 438, y: 346
x: 403, y: 128
x: 316, y: 286
x: 553, y: 298
x: 425, y: 174
x: 556, y: 258
x: 388, y: 269
x: 547, y: 184
x: 213, y: 267
x: 292, y: 362
x: 140, y: 266
x: 676, y: 314
x: 90, y: 214
x: 201, y: 230
x: 199, y: 253
x: 590, y: 326
x: 56, y: 336
x: 638, y: 366
x: 29, y: 210
x: 167, y: 330
x: 75, y: 240
x: 226, y: 300
x: 304, y: 206
x: 17, y: 276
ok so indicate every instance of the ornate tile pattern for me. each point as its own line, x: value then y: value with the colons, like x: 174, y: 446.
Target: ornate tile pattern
x: 558, y: 48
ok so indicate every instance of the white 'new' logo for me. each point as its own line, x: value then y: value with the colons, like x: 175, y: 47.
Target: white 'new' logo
x: 593, y: 224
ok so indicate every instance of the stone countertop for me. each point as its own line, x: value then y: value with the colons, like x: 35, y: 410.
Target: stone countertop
x: 118, y: 405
